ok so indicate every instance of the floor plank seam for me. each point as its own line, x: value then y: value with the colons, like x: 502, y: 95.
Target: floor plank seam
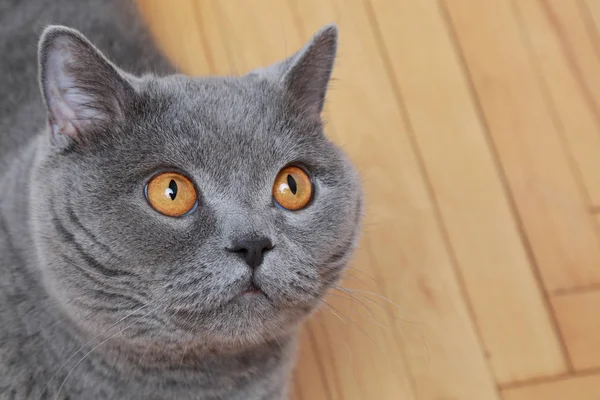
x: 582, y: 88
x: 575, y: 291
x: 535, y: 268
x: 590, y: 26
x: 429, y: 186
x: 550, y: 379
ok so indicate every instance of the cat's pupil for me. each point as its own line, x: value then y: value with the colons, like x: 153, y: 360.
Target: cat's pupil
x: 172, y: 189
x: 292, y: 184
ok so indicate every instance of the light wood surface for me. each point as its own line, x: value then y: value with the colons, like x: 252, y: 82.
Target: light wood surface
x: 580, y: 325
x: 476, y: 128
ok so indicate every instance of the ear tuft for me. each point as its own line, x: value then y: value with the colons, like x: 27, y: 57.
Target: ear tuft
x: 83, y: 92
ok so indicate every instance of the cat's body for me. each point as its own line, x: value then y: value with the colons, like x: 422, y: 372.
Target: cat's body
x: 100, y: 295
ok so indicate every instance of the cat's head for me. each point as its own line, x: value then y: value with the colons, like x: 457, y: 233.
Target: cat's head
x: 210, y: 209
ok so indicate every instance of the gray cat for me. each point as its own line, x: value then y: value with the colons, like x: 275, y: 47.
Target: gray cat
x: 161, y: 236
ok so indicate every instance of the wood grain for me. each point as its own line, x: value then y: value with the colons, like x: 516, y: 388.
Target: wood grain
x: 591, y: 11
x: 572, y: 24
x: 568, y: 94
x: 578, y: 314
x: 549, y: 201
x: 500, y: 283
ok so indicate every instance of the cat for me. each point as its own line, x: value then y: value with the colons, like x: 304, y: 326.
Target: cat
x: 161, y: 236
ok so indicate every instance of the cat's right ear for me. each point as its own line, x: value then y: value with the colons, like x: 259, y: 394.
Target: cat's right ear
x: 306, y: 74
x: 84, y: 93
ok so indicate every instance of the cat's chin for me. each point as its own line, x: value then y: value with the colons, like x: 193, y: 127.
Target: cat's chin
x: 248, y: 321
x: 250, y: 317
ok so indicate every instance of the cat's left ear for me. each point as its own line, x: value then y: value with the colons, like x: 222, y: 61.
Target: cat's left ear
x: 306, y: 74
x: 84, y: 93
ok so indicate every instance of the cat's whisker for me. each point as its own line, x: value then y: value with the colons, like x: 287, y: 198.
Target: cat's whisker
x: 85, y: 344
x: 350, y: 268
x: 85, y: 356
x: 343, y: 335
x: 383, y: 307
x: 332, y: 310
x: 421, y: 338
x: 278, y: 342
x: 374, y: 318
x: 368, y: 317
x: 393, y: 316
x: 350, y: 320
x: 353, y: 293
x: 150, y: 342
x: 185, y: 347
x: 348, y: 274
x: 349, y: 296
x: 377, y: 295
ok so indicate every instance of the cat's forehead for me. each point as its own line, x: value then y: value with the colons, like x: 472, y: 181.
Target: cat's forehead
x: 239, y: 102
x: 232, y: 122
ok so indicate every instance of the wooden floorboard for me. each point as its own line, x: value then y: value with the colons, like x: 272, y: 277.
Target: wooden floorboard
x: 572, y: 23
x: 498, y: 276
x: 547, y: 195
x: 568, y: 94
x: 475, y: 126
x: 580, y: 325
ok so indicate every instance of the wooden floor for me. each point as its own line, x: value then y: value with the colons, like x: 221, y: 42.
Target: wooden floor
x: 476, y: 127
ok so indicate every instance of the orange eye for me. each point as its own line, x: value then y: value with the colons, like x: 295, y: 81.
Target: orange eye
x: 171, y: 194
x: 292, y: 189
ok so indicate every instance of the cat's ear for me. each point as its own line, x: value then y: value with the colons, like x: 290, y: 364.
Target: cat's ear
x: 306, y: 74
x: 84, y: 93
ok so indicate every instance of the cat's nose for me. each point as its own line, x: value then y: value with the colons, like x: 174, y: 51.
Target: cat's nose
x: 252, y: 250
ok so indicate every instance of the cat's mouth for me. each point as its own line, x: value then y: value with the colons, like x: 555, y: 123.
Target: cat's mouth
x: 252, y: 289
x: 248, y: 291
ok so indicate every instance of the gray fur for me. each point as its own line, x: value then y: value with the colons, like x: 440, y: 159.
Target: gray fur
x: 88, y: 268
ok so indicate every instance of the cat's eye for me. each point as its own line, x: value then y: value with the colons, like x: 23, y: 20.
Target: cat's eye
x: 293, y: 188
x: 171, y: 194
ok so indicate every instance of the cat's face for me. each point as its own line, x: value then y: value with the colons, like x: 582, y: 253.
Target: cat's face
x: 112, y: 252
